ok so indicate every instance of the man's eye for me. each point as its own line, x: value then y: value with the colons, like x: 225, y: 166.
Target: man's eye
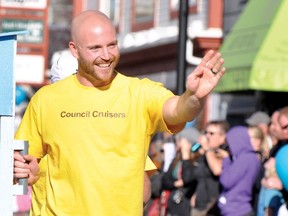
x: 94, y: 48
x: 112, y: 45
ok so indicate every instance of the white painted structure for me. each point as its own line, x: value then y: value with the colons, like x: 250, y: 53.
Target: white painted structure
x: 7, y: 114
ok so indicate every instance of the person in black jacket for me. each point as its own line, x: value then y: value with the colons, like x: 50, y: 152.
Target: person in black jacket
x: 206, y: 169
x: 180, y: 189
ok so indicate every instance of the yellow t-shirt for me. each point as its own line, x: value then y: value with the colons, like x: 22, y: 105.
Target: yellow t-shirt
x: 38, y: 192
x: 96, y: 142
x: 38, y: 189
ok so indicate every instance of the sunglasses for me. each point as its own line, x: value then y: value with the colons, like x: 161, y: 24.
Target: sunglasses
x: 209, y: 132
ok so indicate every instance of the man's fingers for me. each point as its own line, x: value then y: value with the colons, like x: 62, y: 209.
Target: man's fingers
x: 18, y: 157
x: 221, y: 72
x: 207, y: 58
x: 28, y: 158
x: 212, y: 60
x: 217, y: 66
x: 21, y: 173
x: 21, y: 170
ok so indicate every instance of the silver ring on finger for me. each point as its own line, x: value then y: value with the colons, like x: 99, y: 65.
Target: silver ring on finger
x: 214, y: 71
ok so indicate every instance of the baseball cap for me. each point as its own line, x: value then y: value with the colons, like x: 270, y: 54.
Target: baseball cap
x: 191, y: 134
x: 258, y: 118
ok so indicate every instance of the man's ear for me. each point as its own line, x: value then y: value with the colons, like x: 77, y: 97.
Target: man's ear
x: 73, y: 49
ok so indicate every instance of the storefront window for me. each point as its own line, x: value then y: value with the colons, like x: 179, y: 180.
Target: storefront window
x: 143, y: 14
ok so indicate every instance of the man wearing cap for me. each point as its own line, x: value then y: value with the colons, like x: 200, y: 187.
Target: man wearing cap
x: 260, y: 119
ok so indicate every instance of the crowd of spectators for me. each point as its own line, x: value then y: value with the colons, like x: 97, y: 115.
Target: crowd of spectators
x: 222, y: 170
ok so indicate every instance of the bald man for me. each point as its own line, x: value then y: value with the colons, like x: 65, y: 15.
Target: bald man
x: 95, y: 126
x: 65, y: 66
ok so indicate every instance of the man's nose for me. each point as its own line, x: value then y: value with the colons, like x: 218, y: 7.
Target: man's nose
x: 105, y: 54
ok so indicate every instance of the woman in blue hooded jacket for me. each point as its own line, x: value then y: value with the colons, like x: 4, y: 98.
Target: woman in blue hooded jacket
x: 241, y: 165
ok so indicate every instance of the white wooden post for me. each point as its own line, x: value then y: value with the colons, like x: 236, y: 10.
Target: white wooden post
x: 8, y: 42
